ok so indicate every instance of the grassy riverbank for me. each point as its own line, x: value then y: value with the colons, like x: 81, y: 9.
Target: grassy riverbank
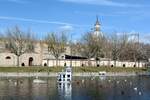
x: 75, y: 69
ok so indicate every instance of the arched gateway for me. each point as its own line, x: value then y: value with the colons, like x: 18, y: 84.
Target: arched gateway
x: 31, y: 61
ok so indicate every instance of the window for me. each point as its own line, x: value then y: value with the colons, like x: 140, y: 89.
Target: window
x: 22, y: 64
x: 8, y: 57
x: 45, y: 64
x: 124, y: 65
x: 68, y: 75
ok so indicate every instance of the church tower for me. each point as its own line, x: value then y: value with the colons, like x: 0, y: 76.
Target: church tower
x: 97, y: 27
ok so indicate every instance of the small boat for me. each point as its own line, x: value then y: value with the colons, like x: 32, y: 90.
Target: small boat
x: 65, y: 76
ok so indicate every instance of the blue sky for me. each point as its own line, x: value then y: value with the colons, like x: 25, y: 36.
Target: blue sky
x: 76, y: 16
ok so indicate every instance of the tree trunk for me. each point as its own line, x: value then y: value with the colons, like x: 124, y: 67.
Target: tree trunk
x: 109, y: 63
x: 115, y: 63
x: 135, y: 59
x: 97, y: 63
x: 18, y: 61
x: 56, y: 62
x: 47, y: 62
x: 89, y: 62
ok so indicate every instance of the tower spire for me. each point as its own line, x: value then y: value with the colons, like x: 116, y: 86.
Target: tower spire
x: 97, y: 27
x: 97, y: 24
x: 97, y: 21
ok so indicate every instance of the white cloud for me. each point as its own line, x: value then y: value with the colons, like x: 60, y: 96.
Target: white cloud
x: 33, y: 20
x: 145, y: 37
x: 63, y: 25
x: 67, y: 27
x: 103, y: 2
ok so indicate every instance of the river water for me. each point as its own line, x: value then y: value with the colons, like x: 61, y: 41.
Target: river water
x: 82, y: 88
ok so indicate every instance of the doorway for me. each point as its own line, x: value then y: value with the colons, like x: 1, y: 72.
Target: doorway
x: 31, y: 61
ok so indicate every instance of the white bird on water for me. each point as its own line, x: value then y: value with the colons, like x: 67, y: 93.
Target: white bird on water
x: 130, y: 83
x: 135, y: 88
x: 15, y: 83
x: 83, y: 81
x: 117, y: 82
x: 140, y: 93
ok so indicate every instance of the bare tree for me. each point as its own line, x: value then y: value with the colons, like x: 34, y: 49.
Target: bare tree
x: 132, y: 49
x: 18, y: 42
x: 56, y: 44
x: 136, y: 52
x: 126, y: 49
x: 107, y: 49
x: 118, y: 46
x: 115, y: 48
x: 90, y: 46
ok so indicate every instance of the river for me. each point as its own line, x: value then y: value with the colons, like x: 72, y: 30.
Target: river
x: 82, y: 88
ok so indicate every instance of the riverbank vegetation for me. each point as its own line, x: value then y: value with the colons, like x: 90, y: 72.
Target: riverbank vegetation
x: 75, y: 69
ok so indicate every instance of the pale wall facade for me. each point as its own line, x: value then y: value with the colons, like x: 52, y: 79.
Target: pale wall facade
x: 28, y: 59
x: 41, y: 57
x: 79, y: 63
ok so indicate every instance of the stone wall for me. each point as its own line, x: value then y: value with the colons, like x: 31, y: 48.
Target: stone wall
x: 8, y: 59
x: 33, y: 58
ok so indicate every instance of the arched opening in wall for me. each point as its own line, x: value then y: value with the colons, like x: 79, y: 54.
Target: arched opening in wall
x: 45, y: 64
x: 112, y: 65
x: 134, y: 65
x: 8, y: 57
x: 31, y: 61
x: 82, y: 65
x: 97, y: 65
x: 124, y: 65
x: 22, y: 64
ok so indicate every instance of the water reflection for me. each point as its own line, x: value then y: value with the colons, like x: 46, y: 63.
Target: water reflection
x: 102, y: 77
x: 65, y: 91
x: 82, y: 88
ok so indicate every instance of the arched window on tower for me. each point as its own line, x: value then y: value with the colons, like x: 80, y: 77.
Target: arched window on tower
x: 8, y: 57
